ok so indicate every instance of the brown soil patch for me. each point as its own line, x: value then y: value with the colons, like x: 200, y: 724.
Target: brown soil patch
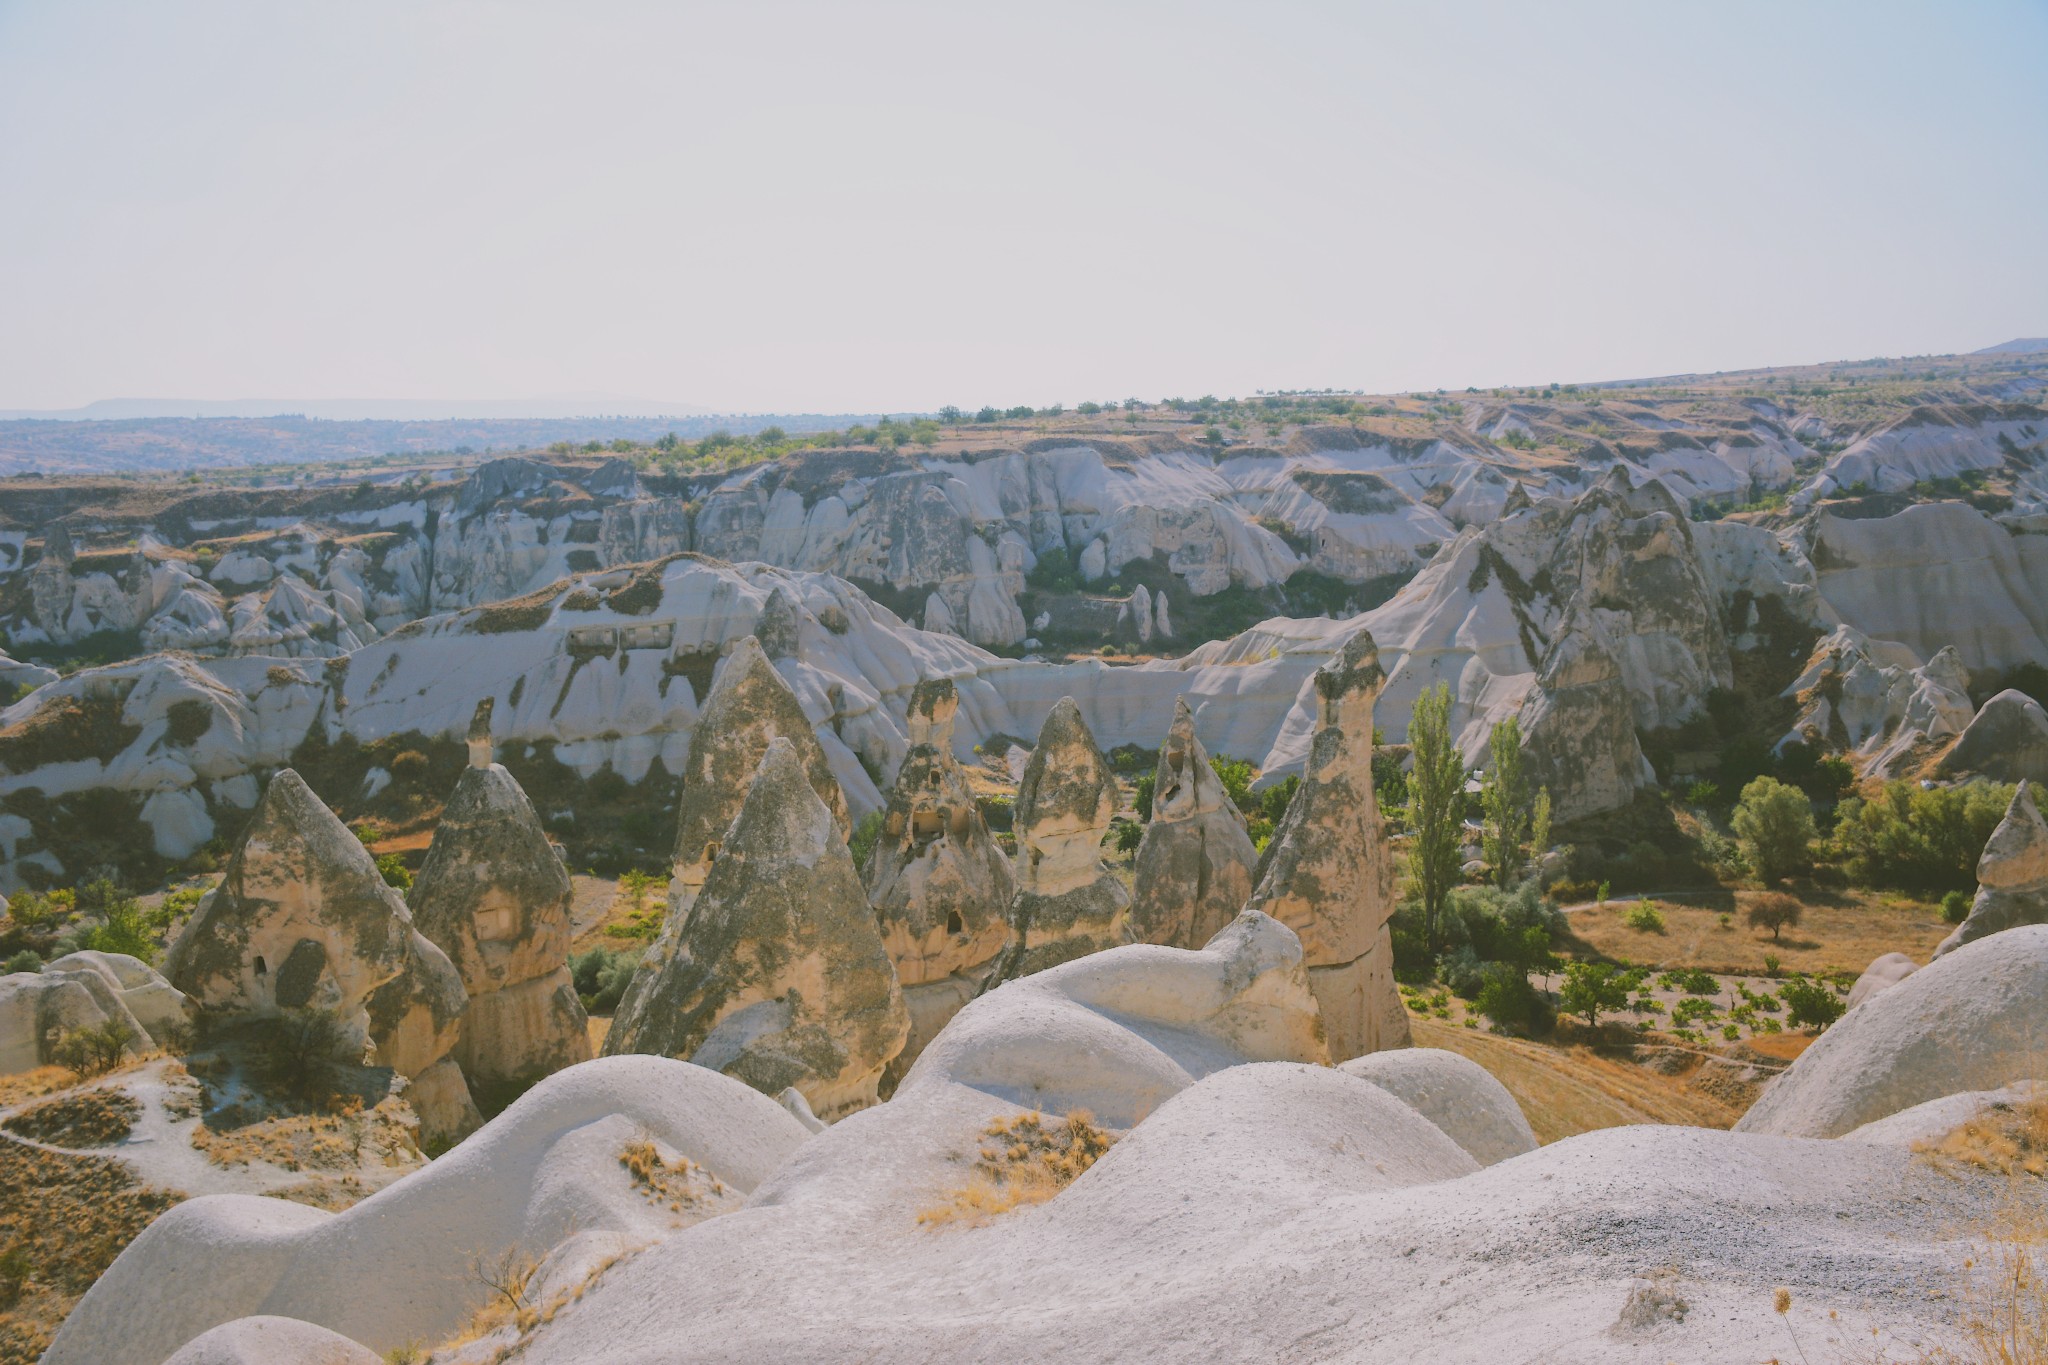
x: 1568, y: 1090
x: 1784, y: 1047
x: 1836, y: 934
x: 317, y: 1142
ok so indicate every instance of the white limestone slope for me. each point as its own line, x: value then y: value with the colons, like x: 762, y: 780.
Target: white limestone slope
x: 396, y: 1268
x: 1970, y: 1020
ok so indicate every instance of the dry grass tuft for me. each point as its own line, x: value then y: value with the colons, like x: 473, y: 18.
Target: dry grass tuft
x: 681, y: 1184
x: 2005, y: 1139
x: 91, y: 1118
x: 1024, y: 1160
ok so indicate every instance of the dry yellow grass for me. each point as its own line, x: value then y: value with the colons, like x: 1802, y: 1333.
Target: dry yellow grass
x: 63, y: 1220
x: 1567, y: 1090
x: 316, y: 1142
x: 2005, y: 1140
x: 1835, y: 936
x: 1024, y: 1160
x: 680, y: 1184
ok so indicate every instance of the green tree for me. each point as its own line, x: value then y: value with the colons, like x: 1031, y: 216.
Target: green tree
x: 1591, y: 988
x: 1504, y: 797
x: 1436, y: 799
x: 1775, y: 824
x: 1809, y: 1003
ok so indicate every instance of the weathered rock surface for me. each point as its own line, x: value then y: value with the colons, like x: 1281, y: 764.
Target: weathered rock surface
x: 750, y: 706
x: 1883, y: 973
x: 1456, y: 1094
x: 38, y: 1008
x: 2012, y: 875
x: 2007, y: 741
x: 268, y: 1340
x: 495, y: 898
x: 1069, y: 903
x: 160, y: 1008
x: 1195, y: 862
x: 302, y: 920
x: 940, y: 884
x: 1873, y: 698
x: 397, y: 1269
x: 1577, y: 727
x: 1968, y: 1021
x: 778, y: 977
x: 1327, y: 874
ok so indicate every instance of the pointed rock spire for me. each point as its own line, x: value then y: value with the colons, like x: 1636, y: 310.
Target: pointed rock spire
x: 940, y: 885
x: 480, y: 750
x: 2012, y: 874
x: 302, y: 919
x: 1068, y: 902
x: 749, y: 706
x: 493, y: 896
x: 1327, y: 874
x: 776, y: 627
x: 779, y: 977
x: 1578, y: 725
x: 1194, y: 869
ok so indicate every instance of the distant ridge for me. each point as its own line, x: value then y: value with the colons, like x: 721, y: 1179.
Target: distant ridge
x: 2018, y: 346
x: 570, y: 408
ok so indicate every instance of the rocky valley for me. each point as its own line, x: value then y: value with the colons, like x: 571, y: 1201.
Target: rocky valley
x: 1233, y: 879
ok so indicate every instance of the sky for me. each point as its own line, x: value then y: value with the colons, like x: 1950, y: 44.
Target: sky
x: 878, y: 207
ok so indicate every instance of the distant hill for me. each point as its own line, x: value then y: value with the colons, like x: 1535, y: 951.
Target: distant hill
x: 2018, y: 346
x: 175, y: 444
x: 574, y: 407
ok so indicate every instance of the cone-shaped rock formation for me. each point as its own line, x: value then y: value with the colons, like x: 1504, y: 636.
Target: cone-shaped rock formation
x: 779, y: 977
x: 1068, y: 902
x: 1195, y: 864
x: 301, y: 919
x: 940, y: 885
x: 493, y: 896
x: 749, y: 705
x: 1327, y: 874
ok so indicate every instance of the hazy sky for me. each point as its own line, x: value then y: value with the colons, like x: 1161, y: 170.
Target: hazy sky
x: 866, y: 206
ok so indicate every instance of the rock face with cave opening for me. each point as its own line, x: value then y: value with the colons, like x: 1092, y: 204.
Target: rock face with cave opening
x: 940, y: 884
x: 1327, y: 874
x: 1069, y: 903
x: 302, y: 920
x: 778, y: 977
x: 495, y: 898
x: 1195, y: 863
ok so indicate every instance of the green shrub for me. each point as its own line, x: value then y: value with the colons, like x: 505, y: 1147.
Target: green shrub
x: 1919, y: 839
x: 24, y: 961
x: 1593, y: 988
x: 1142, y: 797
x: 1274, y: 800
x: 1810, y: 1003
x: 393, y: 870
x: 866, y: 837
x: 1126, y: 834
x: 600, y: 978
x: 1955, y: 907
x: 94, y: 1050
x: 1702, y: 794
x: 123, y: 927
x: 1645, y: 917
x: 1237, y: 777
x: 1513, y: 1005
x: 1775, y: 824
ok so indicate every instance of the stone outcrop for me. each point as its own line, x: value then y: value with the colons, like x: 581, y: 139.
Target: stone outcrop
x: 2012, y: 875
x: 749, y: 706
x: 1069, y: 903
x: 1327, y: 874
x: 38, y: 1008
x: 778, y: 977
x: 1578, y: 726
x: 1884, y: 972
x: 940, y: 884
x: 160, y: 1008
x: 1456, y: 1094
x: 302, y: 920
x: 495, y: 898
x: 2007, y: 741
x: 1195, y: 863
